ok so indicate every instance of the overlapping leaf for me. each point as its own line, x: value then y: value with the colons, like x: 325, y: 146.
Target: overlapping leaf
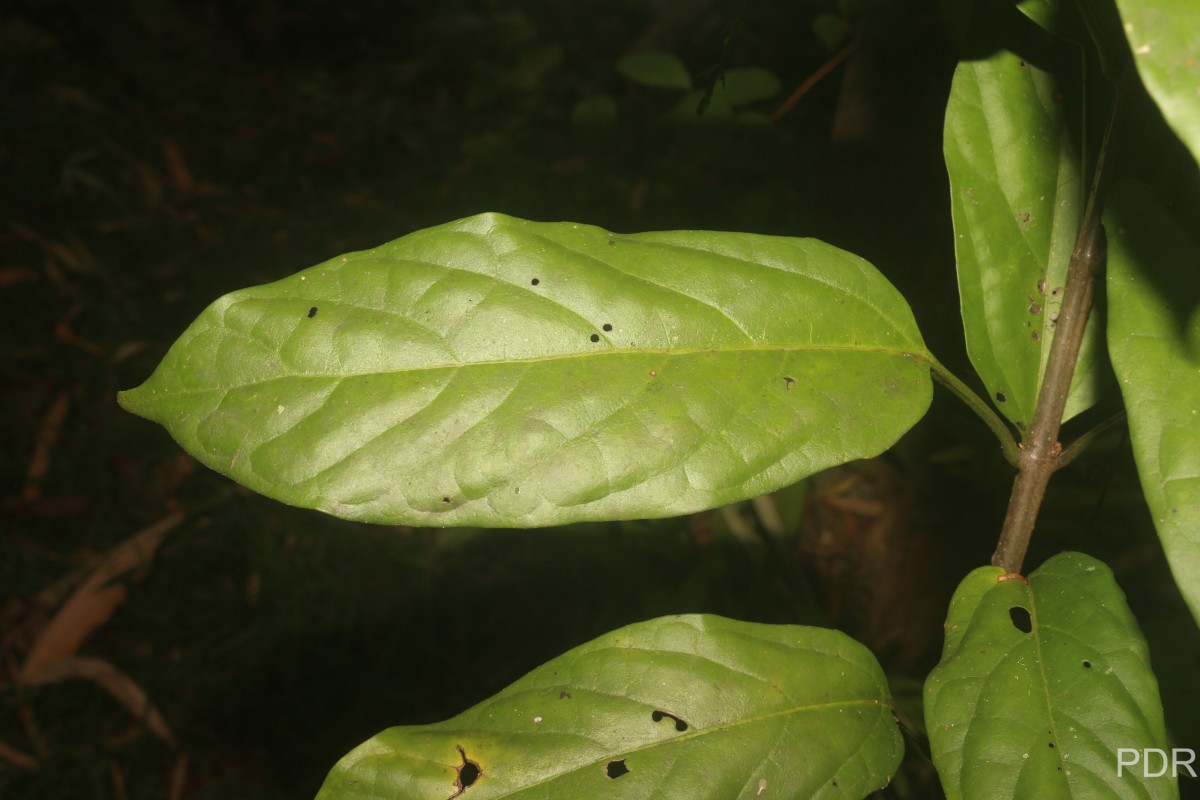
x: 1165, y: 38
x: 499, y: 372
x: 1016, y: 200
x: 1154, y: 338
x: 693, y: 707
x: 1040, y: 685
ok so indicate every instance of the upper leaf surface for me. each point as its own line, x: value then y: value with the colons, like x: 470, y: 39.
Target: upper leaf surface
x: 1154, y: 338
x: 1165, y: 38
x: 499, y: 372
x: 1016, y: 201
x: 1039, y: 686
x: 692, y: 707
x: 655, y: 69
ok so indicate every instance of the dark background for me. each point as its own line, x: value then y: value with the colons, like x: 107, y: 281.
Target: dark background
x: 156, y: 154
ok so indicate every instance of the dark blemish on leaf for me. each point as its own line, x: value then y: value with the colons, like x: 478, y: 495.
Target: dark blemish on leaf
x: 1042, y: 286
x: 616, y: 769
x: 1026, y: 218
x: 611, y: 242
x: 1087, y: 665
x: 1037, y: 337
x: 1056, y: 290
x: 445, y: 499
x: 468, y: 773
x: 1054, y: 317
x: 534, y: 282
x: 1035, y: 308
x: 787, y: 382
x: 659, y: 716
x: 1000, y: 398
x: 1050, y: 744
x: 564, y: 695
x: 606, y: 326
x: 312, y: 312
x: 1021, y: 619
x: 835, y: 784
x: 1023, y: 63
x: 595, y: 337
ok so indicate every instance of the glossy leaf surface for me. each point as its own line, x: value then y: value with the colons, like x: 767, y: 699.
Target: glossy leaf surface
x: 1016, y: 200
x: 499, y: 372
x: 1039, y: 686
x: 692, y: 707
x: 1164, y: 36
x: 1154, y: 338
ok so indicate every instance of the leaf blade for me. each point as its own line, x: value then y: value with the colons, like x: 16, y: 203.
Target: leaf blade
x: 1016, y: 203
x: 1164, y: 36
x: 692, y: 707
x: 1039, y: 686
x: 494, y: 371
x: 1154, y: 338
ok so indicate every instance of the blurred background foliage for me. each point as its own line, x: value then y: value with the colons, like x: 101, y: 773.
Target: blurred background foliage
x: 157, y: 154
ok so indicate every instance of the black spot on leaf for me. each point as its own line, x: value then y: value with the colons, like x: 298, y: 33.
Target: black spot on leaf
x: 1000, y: 398
x: 468, y: 773
x: 1087, y: 665
x: 312, y: 312
x: 616, y: 768
x: 1021, y: 619
x: 595, y: 337
x: 607, y: 326
x: 445, y: 499
x: 564, y: 695
x: 534, y: 282
x: 659, y: 716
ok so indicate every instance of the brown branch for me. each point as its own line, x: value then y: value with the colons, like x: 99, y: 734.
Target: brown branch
x: 812, y: 80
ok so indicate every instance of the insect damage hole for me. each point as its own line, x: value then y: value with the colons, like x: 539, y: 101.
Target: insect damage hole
x: 616, y: 768
x: 659, y: 716
x: 1021, y: 619
x: 468, y: 773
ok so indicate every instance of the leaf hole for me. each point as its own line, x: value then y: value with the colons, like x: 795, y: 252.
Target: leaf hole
x: 595, y: 337
x: 1021, y: 619
x: 534, y: 282
x: 659, y: 716
x: 312, y: 312
x: 445, y: 499
x: 607, y: 326
x: 616, y: 768
x: 468, y: 773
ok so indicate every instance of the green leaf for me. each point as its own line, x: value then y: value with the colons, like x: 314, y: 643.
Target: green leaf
x: 499, y: 372
x: 689, y: 707
x: 1016, y: 200
x: 1165, y: 38
x: 654, y: 69
x: 1154, y: 339
x: 745, y: 85
x: 1040, y: 685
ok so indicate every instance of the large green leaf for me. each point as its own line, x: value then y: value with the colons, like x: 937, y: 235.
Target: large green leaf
x: 499, y: 372
x: 1040, y: 685
x: 689, y: 707
x: 1016, y: 201
x: 1165, y: 38
x: 1154, y: 338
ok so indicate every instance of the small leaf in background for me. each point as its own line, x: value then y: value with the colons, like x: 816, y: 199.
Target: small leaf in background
x: 1040, y: 685
x: 745, y: 85
x: 654, y: 69
x: 595, y: 111
x: 831, y: 29
x: 1164, y: 36
x: 689, y: 707
x: 505, y: 373
x: 1016, y: 201
x: 1154, y: 338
